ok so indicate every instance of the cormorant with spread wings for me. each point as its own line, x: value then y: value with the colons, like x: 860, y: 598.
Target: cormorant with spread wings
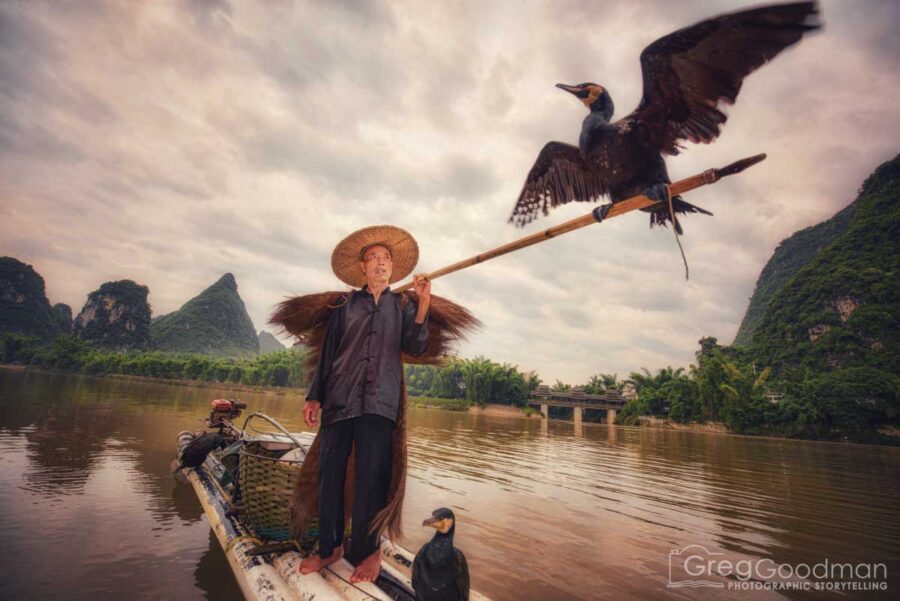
x: 686, y: 74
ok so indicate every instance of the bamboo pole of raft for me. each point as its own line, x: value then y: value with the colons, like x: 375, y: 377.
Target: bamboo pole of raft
x: 600, y: 214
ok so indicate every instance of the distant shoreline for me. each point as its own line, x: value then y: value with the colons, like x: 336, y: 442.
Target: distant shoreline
x: 891, y: 435
x: 497, y: 410
x: 276, y: 390
x: 422, y: 402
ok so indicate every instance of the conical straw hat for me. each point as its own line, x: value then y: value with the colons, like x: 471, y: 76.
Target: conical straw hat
x: 348, y: 253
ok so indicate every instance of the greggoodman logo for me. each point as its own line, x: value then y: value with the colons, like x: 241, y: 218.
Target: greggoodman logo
x: 695, y: 566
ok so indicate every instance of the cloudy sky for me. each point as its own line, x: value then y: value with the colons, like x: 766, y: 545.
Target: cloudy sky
x: 171, y: 142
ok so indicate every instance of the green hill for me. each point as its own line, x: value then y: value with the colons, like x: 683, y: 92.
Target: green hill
x: 214, y: 322
x: 115, y: 316
x: 841, y: 307
x: 268, y: 343
x: 24, y: 308
x: 791, y: 255
x: 63, y: 314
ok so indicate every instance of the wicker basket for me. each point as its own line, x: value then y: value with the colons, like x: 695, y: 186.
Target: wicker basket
x: 267, y: 484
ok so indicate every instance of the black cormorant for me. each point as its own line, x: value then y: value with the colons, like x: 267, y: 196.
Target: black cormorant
x: 686, y: 74
x: 196, y: 451
x: 440, y: 571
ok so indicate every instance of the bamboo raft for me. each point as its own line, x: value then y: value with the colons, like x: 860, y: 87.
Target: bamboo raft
x: 274, y: 575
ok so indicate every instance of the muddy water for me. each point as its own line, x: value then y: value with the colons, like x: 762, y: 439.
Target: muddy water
x: 545, y: 511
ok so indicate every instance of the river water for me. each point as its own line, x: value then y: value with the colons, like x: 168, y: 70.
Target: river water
x: 545, y: 511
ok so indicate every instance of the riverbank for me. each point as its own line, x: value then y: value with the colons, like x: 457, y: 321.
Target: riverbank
x: 888, y: 435
x: 499, y: 410
x: 655, y: 422
x: 232, y: 387
x: 885, y: 436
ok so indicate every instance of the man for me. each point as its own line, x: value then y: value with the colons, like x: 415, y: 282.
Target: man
x: 357, y: 386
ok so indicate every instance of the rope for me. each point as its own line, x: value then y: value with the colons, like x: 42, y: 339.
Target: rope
x: 241, y: 538
x: 341, y: 302
x: 675, y: 231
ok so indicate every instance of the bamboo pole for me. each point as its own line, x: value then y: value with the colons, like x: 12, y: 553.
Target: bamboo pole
x: 599, y: 214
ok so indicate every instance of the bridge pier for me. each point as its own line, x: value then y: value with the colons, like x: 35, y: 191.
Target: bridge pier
x: 610, y: 416
x: 545, y: 413
x: 576, y: 415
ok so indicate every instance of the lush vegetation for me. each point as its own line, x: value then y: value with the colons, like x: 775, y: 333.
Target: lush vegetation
x: 281, y: 368
x: 63, y: 314
x: 213, y: 322
x: 477, y: 381
x: 116, y: 316
x: 724, y: 385
x: 818, y: 353
x: 449, y: 404
x: 727, y: 386
x: 24, y: 307
x: 268, y: 343
x: 842, y: 310
x: 791, y: 255
x: 457, y: 385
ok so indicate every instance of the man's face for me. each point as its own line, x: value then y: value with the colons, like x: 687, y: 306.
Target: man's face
x: 377, y: 264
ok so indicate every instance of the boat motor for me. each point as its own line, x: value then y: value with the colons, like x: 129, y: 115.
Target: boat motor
x: 224, y: 411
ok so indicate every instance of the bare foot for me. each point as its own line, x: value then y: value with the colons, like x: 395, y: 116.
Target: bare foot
x: 314, y: 563
x: 368, y: 570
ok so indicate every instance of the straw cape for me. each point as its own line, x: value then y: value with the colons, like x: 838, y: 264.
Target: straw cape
x: 306, y: 317
x: 349, y: 252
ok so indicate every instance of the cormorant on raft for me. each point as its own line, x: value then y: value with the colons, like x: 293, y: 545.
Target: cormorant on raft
x: 685, y: 74
x: 196, y: 451
x: 440, y: 571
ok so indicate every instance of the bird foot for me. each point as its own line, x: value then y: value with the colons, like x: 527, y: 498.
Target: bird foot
x: 369, y: 569
x: 657, y: 192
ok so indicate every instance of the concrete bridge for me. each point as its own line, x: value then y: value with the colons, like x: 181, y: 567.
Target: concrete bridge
x: 610, y: 401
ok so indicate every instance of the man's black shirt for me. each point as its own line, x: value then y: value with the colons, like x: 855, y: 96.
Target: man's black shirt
x: 359, y: 366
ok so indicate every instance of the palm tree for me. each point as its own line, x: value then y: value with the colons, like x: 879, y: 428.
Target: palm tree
x: 560, y: 386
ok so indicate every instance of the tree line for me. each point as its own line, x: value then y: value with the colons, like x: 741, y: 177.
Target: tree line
x: 463, y: 381
x: 67, y: 353
x: 478, y: 381
x: 727, y: 386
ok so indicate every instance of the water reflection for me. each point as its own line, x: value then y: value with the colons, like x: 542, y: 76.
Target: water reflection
x: 217, y: 584
x: 185, y: 503
x: 546, y: 510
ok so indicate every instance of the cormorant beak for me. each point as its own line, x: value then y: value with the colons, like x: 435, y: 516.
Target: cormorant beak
x: 442, y: 525
x: 570, y: 89
x: 432, y: 521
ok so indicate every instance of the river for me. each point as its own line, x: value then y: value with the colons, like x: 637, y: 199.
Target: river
x: 545, y: 511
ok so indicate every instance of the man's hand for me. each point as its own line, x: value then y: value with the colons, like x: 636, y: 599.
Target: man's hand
x: 422, y: 286
x: 311, y: 412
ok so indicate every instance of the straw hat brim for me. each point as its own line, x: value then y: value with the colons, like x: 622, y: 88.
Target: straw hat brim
x: 346, y: 255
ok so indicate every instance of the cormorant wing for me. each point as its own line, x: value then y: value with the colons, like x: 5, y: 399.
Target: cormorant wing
x: 688, y: 72
x: 559, y: 175
x: 462, y: 575
x: 414, y: 580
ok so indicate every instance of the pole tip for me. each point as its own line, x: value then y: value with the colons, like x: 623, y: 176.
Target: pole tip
x: 739, y: 166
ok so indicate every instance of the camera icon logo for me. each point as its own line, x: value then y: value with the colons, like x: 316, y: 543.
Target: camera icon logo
x: 692, y: 566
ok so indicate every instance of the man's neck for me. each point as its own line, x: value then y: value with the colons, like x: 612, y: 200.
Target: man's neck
x: 376, y: 288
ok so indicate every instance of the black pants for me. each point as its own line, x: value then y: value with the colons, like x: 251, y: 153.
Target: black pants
x: 374, y: 438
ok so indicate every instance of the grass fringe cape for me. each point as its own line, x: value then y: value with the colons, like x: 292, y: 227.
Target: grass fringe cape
x: 306, y: 317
